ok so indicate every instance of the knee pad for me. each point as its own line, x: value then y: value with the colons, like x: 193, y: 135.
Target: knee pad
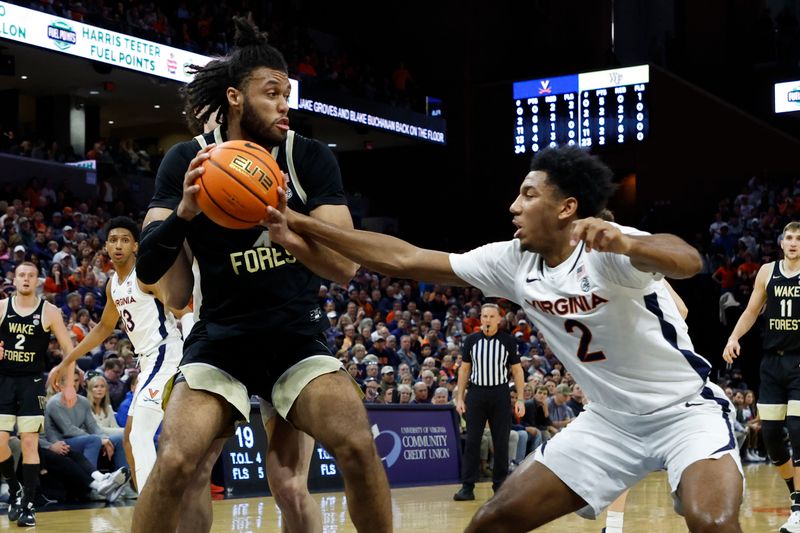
x: 772, y: 432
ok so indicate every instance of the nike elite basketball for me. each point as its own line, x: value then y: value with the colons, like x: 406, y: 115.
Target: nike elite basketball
x: 240, y: 180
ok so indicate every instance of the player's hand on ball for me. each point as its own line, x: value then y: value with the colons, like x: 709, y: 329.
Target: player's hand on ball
x: 597, y: 234
x: 277, y: 221
x: 731, y: 351
x: 188, y: 207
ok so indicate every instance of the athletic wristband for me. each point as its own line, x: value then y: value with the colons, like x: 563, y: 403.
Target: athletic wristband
x: 159, y: 246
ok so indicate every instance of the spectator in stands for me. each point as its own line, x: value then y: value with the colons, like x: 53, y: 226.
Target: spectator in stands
x: 77, y: 428
x: 440, y: 396
x: 387, y: 377
x: 517, y: 455
x: 385, y: 355
x: 577, y: 401
x: 559, y: 412
x: 97, y: 389
x: 404, y: 393
x: 420, y: 393
x: 55, y: 285
x: 390, y: 395
x: 82, y: 324
x: 352, y: 369
x: 428, y: 377
x: 372, y: 390
x: 725, y: 276
x: 537, y: 420
x: 113, y: 371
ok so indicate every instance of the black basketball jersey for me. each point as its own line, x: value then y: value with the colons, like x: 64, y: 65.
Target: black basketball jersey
x: 247, y: 283
x: 782, y: 314
x: 25, y: 341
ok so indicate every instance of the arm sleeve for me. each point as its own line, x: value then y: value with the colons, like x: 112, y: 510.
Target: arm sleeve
x: 491, y: 268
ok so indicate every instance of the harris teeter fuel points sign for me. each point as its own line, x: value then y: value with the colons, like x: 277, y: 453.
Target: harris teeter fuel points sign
x: 78, y: 39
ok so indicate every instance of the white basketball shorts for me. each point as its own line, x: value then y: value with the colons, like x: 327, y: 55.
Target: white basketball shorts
x: 604, y: 452
x: 156, y: 369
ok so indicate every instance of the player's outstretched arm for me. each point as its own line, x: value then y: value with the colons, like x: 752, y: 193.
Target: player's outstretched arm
x: 382, y: 253
x: 757, y: 300
x: 99, y: 333
x: 53, y: 321
x: 323, y: 261
x: 668, y: 254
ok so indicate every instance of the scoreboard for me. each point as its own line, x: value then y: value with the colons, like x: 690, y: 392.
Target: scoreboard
x: 590, y: 109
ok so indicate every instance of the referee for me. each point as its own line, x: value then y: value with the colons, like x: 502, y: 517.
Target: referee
x: 487, y: 356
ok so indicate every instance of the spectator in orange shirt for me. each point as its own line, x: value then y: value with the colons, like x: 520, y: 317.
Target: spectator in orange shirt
x: 747, y: 271
x: 725, y: 276
x: 472, y: 323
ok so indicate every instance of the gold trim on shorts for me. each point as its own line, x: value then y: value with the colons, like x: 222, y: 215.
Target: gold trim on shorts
x: 7, y: 423
x: 772, y: 411
x: 30, y: 424
x: 202, y: 376
x: 295, y: 378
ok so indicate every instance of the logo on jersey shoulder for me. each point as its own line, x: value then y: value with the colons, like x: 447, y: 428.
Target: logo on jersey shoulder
x: 35, y: 322
x: 37, y: 316
x: 568, y: 306
x: 125, y: 300
x: 583, y: 278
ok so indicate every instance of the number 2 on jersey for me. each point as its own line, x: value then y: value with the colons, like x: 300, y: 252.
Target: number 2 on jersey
x: 584, y: 354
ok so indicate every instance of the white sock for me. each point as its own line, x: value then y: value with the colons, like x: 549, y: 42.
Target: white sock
x: 614, y: 521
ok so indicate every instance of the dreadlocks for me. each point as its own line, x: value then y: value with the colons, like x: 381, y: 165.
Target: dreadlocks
x: 205, y: 96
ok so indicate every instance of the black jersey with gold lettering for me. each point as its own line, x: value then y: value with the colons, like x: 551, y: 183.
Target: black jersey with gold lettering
x: 248, y: 283
x: 782, y: 314
x: 25, y: 341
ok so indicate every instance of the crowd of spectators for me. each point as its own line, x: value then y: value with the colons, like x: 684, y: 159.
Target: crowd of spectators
x: 400, y: 339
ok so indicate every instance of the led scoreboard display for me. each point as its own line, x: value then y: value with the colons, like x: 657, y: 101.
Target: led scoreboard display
x: 590, y: 109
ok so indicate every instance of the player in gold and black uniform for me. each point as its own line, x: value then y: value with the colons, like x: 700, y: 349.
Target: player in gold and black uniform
x: 260, y: 326
x: 26, y: 322
x: 777, y: 286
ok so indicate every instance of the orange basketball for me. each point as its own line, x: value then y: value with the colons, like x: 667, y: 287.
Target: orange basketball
x: 240, y: 180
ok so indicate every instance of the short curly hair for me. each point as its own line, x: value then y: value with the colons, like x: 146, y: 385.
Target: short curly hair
x: 577, y: 173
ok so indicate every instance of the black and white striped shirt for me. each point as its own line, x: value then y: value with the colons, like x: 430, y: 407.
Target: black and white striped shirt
x: 491, y: 357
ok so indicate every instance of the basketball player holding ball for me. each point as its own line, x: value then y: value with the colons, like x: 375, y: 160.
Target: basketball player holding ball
x: 260, y: 326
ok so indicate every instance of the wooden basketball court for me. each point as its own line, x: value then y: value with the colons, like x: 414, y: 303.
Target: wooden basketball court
x: 432, y: 510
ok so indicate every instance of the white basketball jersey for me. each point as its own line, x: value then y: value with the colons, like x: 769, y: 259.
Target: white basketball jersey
x: 146, y: 320
x: 615, y: 328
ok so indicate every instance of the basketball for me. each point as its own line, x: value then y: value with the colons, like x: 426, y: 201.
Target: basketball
x: 240, y: 180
